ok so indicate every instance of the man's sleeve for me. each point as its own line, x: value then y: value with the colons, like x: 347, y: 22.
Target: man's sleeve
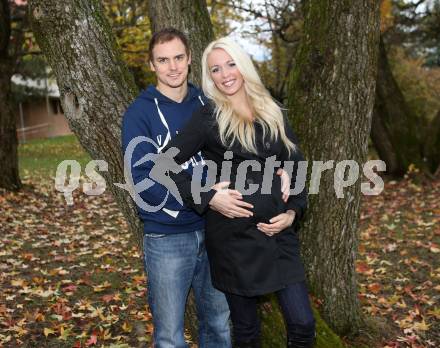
x: 136, y: 125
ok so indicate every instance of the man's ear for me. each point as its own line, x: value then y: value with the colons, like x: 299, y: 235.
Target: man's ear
x: 189, y: 58
x: 152, y: 66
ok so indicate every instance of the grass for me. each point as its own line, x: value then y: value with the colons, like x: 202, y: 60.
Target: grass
x: 38, y: 158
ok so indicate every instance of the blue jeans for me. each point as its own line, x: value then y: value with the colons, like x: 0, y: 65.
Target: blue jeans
x: 295, y: 307
x: 173, y: 264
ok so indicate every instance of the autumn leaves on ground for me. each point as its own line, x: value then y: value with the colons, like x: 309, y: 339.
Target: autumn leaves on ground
x: 71, y: 276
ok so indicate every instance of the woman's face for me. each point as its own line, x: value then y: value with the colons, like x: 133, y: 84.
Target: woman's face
x: 225, y: 74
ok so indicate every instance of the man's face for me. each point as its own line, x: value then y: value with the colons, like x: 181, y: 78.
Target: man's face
x: 170, y: 63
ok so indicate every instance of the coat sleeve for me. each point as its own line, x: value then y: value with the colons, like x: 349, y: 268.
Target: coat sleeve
x: 297, y: 202
x: 190, y: 140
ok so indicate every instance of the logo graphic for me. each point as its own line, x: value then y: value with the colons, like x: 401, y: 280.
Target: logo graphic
x: 158, y: 174
x: 346, y: 173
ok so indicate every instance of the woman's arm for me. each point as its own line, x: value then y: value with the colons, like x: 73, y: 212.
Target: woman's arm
x: 189, y: 141
x: 191, y: 138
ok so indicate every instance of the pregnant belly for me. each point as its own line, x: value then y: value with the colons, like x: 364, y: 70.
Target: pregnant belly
x: 266, y: 205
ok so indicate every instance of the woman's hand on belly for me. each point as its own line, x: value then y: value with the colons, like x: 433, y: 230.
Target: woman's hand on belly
x: 229, y: 202
x: 277, y: 223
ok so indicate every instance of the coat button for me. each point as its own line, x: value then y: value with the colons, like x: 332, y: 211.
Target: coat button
x: 267, y: 145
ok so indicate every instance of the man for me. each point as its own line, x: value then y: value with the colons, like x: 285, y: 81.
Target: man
x: 174, y: 254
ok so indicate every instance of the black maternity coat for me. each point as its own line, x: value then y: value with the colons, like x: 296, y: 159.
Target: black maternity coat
x: 243, y: 260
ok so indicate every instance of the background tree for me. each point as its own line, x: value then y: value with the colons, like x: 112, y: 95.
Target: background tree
x: 276, y: 27
x: 131, y: 26
x: 404, y: 128
x: 183, y: 15
x: 280, y: 33
x: 331, y: 96
x: 414, y: 26
x: 222, y: 17
x: 403, y: 132
x: 11, y: 39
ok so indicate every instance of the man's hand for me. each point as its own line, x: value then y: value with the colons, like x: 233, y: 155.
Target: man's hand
x: 229, y: 202
x: 277, y: 223
x: 285, y: 184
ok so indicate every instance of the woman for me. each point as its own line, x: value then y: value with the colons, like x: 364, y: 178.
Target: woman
x: 253, y: 249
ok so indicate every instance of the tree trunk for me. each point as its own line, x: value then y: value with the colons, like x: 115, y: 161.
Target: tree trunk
x: 397, y: 120
x: 189, y: 16
x: 9, y: 177
x: 382, y: 143
x: 432, y: 144
x: 94, y: 83
x: 331, y: 104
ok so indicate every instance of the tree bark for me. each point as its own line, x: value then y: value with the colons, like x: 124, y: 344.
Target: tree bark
x: 9, y: 175
x: 94, y: 83
x: 396, y: 132
x: 189, y: 16
x: 432, y: 144
x: 384, y: 147
x: 331, y: 104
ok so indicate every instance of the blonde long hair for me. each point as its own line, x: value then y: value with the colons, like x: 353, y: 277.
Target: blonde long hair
x: 231, y: 126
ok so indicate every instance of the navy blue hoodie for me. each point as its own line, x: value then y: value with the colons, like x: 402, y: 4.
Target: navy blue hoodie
x: 159, y: 118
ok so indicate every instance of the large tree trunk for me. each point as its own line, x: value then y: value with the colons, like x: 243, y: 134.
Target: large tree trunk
x: 9, y: 177
x: 189, y: 16
x: 331, y: 105
x: 94, y: 82
x: 394, y: 123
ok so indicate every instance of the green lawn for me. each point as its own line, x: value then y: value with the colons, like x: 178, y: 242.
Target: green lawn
x: 39, y: 158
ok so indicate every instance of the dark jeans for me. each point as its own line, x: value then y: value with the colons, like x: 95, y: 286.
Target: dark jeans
x: 296, y: 309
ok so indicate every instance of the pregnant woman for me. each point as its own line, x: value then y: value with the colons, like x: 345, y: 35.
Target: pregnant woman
x: 252, y: 250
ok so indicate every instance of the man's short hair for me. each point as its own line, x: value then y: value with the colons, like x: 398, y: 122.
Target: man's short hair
x: 166, y: 35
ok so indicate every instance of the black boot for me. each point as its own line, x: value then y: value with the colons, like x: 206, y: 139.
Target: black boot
x: 255, y: 343
x: 301, y: 342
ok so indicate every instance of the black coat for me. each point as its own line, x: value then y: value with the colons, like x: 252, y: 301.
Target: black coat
x: 243, y: 260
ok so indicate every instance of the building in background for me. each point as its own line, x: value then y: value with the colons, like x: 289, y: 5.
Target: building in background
x: 39, y: 112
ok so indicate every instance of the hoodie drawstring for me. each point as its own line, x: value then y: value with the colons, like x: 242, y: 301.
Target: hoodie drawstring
x: 162, y: 118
